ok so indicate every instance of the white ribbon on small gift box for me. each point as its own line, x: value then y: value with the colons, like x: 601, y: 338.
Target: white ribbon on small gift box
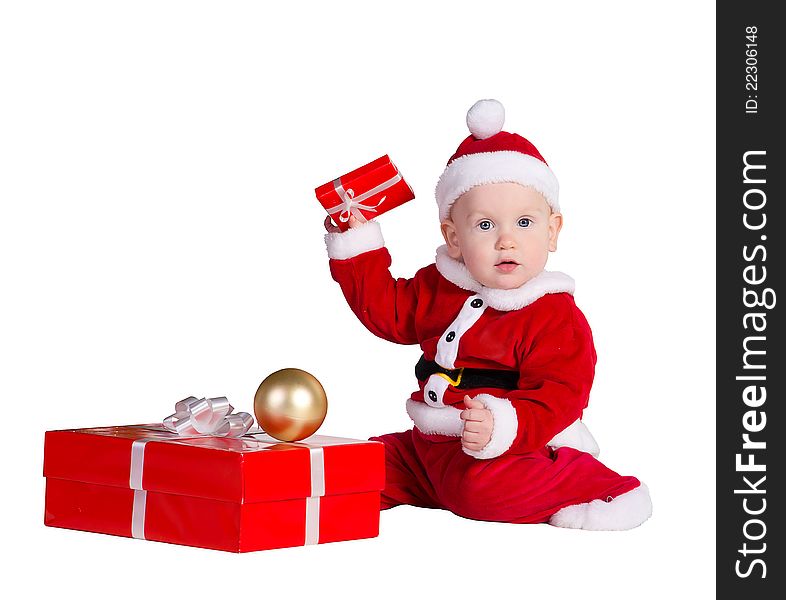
x: 350, y: 203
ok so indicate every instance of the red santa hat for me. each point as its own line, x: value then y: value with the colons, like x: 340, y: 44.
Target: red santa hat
x: 490, y: 155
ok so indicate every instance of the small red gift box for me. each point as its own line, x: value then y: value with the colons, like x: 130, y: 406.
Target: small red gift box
x: 371, y: 190
x: 235, y: 494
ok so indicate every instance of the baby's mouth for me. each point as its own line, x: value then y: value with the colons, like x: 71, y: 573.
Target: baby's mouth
x: 506, y: 266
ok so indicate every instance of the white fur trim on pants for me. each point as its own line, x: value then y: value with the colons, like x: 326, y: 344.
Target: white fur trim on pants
x: 352, y: 242
x: 626, y: 511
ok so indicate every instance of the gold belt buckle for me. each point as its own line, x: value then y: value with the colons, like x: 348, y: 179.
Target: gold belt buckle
x: 452, y: 382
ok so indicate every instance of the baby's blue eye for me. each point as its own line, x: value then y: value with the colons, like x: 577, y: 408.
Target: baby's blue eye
x: 485, y: 225
x: 524, y: 222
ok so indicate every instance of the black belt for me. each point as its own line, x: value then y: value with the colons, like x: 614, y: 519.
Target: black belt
x: 466, y: 378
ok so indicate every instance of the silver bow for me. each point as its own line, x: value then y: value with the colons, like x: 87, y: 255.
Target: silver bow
x: 207, y: 416
x: 349, y: 205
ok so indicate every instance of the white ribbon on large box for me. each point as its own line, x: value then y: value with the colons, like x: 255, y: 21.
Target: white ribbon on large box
x: 315, y: 445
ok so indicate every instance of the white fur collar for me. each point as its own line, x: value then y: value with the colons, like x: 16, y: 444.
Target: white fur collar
x: 547, y: 282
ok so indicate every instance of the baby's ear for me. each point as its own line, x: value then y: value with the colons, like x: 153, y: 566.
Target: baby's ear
x: 555, y: 225
x: 451, y: 239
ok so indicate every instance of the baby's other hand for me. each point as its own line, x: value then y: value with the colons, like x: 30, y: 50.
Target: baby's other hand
x: 353, y: 223
x: 478, y: 424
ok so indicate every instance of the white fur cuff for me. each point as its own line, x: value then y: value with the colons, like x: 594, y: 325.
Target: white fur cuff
x: 353, y: 242
x: 506, y: 426
x: 430, y: 419
x: 626, y: 511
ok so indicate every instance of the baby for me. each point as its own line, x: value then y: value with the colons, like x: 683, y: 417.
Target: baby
x: 508, y: 359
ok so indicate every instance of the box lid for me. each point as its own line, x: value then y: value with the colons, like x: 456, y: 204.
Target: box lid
x: 364, y: 177
x: 252, y: 468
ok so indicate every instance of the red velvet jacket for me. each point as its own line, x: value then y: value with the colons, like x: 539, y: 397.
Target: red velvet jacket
x: 536, y: 330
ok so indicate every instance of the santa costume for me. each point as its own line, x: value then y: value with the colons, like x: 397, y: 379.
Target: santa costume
x: 527, y: 354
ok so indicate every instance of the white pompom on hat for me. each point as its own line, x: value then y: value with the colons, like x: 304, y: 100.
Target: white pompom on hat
x: 490, y: 155
x: 485, y: 118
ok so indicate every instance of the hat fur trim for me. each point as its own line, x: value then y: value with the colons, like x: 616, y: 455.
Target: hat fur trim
x: 504, y: 166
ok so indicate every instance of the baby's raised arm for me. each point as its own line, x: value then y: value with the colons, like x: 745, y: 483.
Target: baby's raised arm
x: 360, y: 263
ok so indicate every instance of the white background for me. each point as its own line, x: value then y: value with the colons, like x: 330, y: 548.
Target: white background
x: 160, y: 238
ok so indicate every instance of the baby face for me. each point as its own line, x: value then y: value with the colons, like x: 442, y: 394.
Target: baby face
x: 503, y: 232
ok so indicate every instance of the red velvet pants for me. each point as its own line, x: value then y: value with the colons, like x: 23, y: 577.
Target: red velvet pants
x: 433, y: 472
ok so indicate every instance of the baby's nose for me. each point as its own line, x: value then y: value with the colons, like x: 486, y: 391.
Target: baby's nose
x: 505, y: 243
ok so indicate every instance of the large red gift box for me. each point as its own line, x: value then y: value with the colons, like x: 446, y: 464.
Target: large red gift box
x: 371, y: 190
x: 235, y: 494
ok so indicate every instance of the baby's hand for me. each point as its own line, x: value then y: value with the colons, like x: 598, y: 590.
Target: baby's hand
x: 353, y: 222
x: 478, y: 424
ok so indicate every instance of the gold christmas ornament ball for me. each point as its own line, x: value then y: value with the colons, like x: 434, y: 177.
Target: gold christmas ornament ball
x: 290, y: 404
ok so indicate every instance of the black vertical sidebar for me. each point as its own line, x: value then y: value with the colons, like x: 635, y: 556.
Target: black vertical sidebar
x: 751, y: 428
